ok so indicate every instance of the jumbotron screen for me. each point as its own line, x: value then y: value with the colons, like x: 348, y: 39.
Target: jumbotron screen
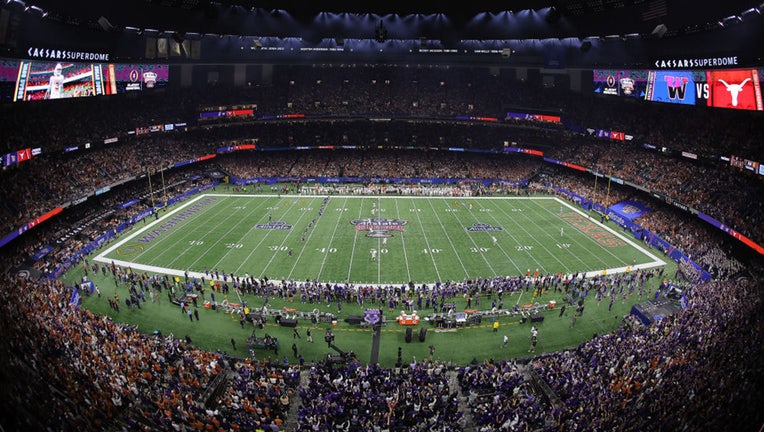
x: 620, y: 82
x: 721, y: 88
x: 42, y: 80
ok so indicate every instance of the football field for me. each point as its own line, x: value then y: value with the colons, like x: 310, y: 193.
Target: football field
x: 376, y: 239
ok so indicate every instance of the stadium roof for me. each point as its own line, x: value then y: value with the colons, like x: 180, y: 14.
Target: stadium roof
x: 535, y: 32
x: 519, y: 19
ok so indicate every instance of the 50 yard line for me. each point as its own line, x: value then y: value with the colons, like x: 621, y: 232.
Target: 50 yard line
x: 355, y: 241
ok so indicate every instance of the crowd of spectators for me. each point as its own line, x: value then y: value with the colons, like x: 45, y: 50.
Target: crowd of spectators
x: 397, y: 92
x: 640, y: 379
x: 709, y: 247
x: 501, y: 397
x: 354, y: 397
x: 82, y: 224
x: 699, y: 369
x: 381, y: 164
x: 91, y: 373
x: 675, y: 374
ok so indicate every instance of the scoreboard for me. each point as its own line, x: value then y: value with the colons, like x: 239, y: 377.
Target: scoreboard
x: 719, y: 88
x: 42, y: 80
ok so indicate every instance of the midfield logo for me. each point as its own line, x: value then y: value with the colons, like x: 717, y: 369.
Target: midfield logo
x: 378, y: 227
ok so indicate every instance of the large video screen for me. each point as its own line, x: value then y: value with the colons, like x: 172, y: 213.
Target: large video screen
x: 618, y: 82
x: 721, y: 88
x: 674, y: 86
x: 42, y: 80
x: 736, y: 89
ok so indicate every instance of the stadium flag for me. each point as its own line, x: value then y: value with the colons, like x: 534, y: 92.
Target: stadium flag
x: 89, y: 285
x: 629, y: 209
x: 151, y: 48
x: 75, y: 298
x: 174, y: 48
x: 24, y: 154
x: 162, y: 48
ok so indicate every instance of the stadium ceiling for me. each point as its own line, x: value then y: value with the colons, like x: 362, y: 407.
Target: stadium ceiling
x: 519, y: 19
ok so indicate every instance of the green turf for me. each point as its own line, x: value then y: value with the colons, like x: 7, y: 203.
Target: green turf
x: 434, y: 245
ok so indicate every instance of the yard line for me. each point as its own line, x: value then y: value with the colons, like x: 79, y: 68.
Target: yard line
x: 575, y: 240
x: 379, y: 248
x: 403, y: 242
x: 509, y: 233
x: 285, y: 237
x: 168, y: 240
x: 245, y: 261
x: 543, y: 246
x: 508, y: 256
x: 102, y: 256
x: 445, y: 232
x: 244, y: 236
x: 601, y: 249
x: 220, y: 238
x: 355, y: 241
x: 427, y: 242
x: 656, y: 261
x: 331, y: 240
x: 474, y: 243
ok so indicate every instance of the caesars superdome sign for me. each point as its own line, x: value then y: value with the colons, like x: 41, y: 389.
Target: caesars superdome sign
x: 59, y: 54
x: 698, y: 62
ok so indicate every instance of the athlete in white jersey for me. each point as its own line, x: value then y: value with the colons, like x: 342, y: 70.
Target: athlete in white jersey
x: 56, y: 84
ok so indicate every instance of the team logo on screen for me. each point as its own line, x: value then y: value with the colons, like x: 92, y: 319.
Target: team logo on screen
x: 483, y: 227
x: 150, y: 78
x: 274, y: 225
x: 734, y: 89
x: 676, y: 86
x: 627, y: 85
x: 630, y: 209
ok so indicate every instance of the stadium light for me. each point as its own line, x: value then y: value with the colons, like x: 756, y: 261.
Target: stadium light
x: 381, y: 32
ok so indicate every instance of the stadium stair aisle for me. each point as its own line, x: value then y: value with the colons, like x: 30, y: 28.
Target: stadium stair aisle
x: 453, y: 383
x: 290, y: 424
